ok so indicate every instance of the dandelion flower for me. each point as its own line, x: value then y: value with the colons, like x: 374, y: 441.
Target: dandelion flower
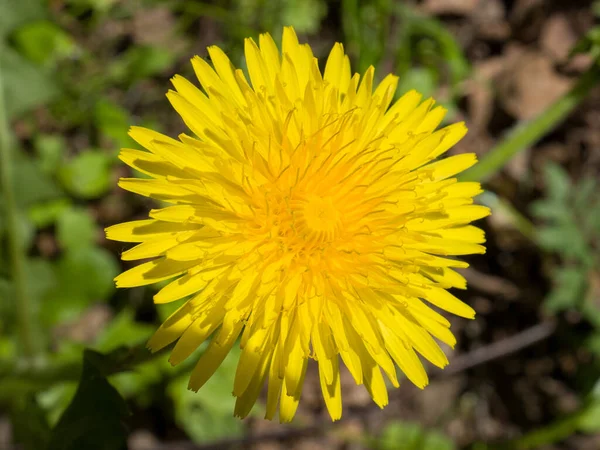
x: 310, y: 218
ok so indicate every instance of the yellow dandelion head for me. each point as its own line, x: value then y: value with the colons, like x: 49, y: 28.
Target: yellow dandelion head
x: 310, y: 219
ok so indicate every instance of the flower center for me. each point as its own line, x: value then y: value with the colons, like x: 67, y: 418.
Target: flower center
x: 317, y: 220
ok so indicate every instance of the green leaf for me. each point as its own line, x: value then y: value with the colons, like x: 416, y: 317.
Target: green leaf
x: 569, y: 289
x: 589, y: 421
x: 30, y: 426
x: 549, y: 209
x: 87, y: 175
x: 422, y: 79
x: 113, y: 121
x: 84, y: 275
x: 207, y: 415
x: 45, y: 214
x: 16, y: 13
x: 31, y: 185
x: 123, y: 330
x: 43, y: 42
x: 554, y: 238
x: 590, y: 43
x: 26, y: 86
x: 558, y: 183
x: 50, y: 149
x: 40, y: 279
x: 141, y: 62
x: 304, y: 15
x: 94, y: 419
x: 76, y: 228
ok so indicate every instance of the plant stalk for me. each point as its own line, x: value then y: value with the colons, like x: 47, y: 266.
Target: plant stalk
x: 526, y: 134
x: 16, y: 252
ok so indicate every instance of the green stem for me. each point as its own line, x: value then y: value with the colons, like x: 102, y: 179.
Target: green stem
x: 15, y: 244
x: 526, y: 134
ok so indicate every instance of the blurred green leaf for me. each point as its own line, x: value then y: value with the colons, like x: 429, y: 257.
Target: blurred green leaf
x: 40, y: 280
x: 420, y: 78
x: 113, y: 121
x: 94, y: 419
x: 57, y: 398
x: 569, y: 289
x: 46, y: 213
x: 87, y: 175
x: 589, y: 420
x: 84, y: 275
x: 123, y: 330
x: 590, y: 44
x: 411, y: 436
x: 31, y: 185
x: 140, y: 63
x: 206, y: 415
x: 558, y: 184
x: 41, y: 277
x: 30, y: 426
x: 43, y: 42
x: 16, y: 13
x: 76, y: 228
x: 425, y: 42
x: 26, y: 86
x: 304, y: 15
x: 50, y: 149
x: 550, y: 210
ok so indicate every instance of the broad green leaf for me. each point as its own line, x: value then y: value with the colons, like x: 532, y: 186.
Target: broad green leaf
x: 94, y: 419
x: 30, y: 426
x: 419, y: 78
x: 50, y: 149
x: 26, y: 86
x: 87, y: 175
x: 31, y: 185
x: 304, y: 15
x: 84, y: 275
x: 140, y: 63
x: 57, y: 398
x: 39, y: 279
x: 76, y: 228
x: 16, y: 13
x: 113, y: 121
x: 123, y: 330
x: 45, y: 214
x: 207, y: 415
x: 43, y: 42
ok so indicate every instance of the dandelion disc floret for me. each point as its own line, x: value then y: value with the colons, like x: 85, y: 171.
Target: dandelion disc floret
x: 309, y: 217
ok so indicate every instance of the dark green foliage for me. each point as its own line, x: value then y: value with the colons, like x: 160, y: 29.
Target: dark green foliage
x: 95, y: 418
x: 30, y: 425
x: 570, y: 213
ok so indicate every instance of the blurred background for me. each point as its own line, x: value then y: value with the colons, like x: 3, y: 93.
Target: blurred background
x: 77, y: 73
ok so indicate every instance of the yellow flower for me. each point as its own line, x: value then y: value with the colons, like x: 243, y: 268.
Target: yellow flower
x: 309, y: 218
